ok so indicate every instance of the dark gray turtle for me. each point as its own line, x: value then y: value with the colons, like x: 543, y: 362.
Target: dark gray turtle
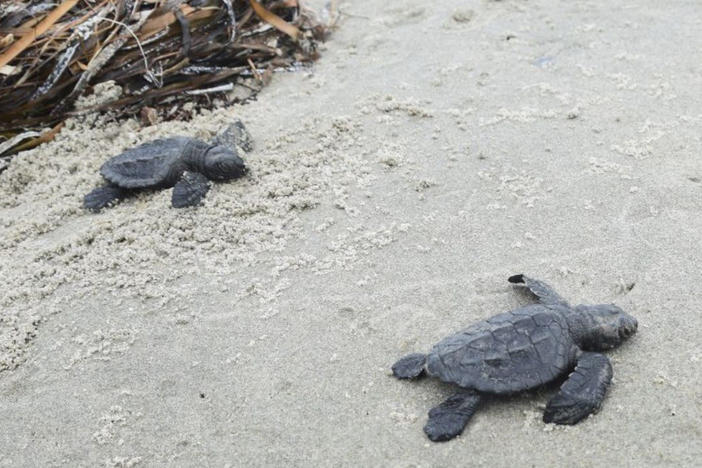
x: 184, y: 163
x: 520, y: 350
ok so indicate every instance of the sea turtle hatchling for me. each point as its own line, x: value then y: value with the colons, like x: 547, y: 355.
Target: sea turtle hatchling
x: 523, y: 349
x: 184, y: 163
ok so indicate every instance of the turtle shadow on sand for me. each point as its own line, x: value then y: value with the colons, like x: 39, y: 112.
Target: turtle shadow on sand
x: 524, y: 349
x: 184, y: 163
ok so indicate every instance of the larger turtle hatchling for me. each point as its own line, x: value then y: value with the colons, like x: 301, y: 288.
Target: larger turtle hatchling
x: 184, y: 163
x: 520, y: 350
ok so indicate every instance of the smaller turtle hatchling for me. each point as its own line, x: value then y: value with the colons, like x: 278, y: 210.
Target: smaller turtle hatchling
x: 186, y: 164
x: 523, y: 349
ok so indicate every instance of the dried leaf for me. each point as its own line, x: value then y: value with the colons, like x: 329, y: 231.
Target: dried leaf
x: 7, y: 40
x: 41, y: 28
x: 159, y: 23
x: 148, y: 115
x: 43, y: 138
x: 9, y: 70
x: 275, y: 20
x: 15, y: 140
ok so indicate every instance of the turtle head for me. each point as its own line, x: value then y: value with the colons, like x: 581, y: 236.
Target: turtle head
x: 603, y: 326
x: 222, y: 163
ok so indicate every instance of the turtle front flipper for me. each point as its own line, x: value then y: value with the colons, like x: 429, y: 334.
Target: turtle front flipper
x: 545, y: 293
x: 234, y: 136
x: 410, y: 366
x: 102, y: 197
x: 582, y: 394
x: 448, y: 420
x: 190, y: 190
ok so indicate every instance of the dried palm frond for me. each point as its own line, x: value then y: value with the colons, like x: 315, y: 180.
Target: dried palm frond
x: 161, y: 53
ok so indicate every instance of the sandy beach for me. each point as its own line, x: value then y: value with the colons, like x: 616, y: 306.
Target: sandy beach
x: 433, y: 151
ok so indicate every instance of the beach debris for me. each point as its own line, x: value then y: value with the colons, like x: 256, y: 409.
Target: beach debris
x: 160, y: 53
x: 520, y: 350
x: 186, y: 164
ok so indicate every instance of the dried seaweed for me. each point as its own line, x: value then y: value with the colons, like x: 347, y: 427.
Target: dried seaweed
x: 161, y: 53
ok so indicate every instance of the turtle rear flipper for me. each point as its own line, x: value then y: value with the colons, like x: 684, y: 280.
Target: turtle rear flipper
x: 582, y: 394
x: 190, y: 190
x: 448, y: 420
x: 102, y: 197
x: 410, y: 366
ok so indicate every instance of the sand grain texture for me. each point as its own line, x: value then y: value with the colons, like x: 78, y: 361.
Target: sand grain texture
x: 431, y: 153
